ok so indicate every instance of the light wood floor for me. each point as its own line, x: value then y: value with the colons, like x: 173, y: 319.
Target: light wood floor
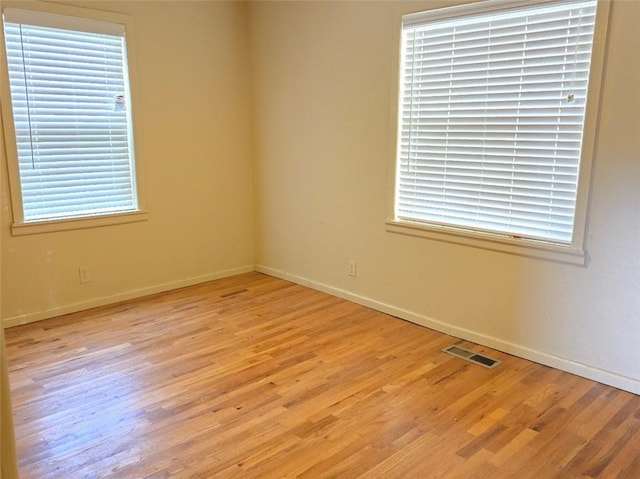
x: 254, y: 377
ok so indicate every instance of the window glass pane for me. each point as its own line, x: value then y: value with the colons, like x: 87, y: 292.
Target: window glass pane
x: 491, y: 118
x: 69, y: 92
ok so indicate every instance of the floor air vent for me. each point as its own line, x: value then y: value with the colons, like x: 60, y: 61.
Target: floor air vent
x: 463, y: 353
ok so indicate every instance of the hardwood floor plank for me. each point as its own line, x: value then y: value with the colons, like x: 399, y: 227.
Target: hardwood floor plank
x: 255, y: 377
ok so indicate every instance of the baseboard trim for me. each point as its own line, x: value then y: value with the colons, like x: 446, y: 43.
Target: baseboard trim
x: 580, y: 369
x: 124, y: 296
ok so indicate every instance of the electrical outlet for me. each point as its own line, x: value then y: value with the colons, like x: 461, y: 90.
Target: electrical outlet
x: 85, y: 275
x: 353, y: 268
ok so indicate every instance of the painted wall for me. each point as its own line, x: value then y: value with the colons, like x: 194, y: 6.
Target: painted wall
x: 317, y: 93
x: 194, y: 106
x: 8, y: 457
x: 322, y: 76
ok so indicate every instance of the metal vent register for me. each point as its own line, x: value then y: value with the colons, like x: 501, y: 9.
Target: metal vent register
x: 470, y: 356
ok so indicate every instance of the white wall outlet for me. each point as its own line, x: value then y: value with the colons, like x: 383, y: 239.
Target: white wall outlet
x: 85, y: 275
x: 353, y: 271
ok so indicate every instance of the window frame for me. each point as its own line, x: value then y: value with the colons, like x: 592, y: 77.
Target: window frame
x: 573, y: 253
x: 21, y: 227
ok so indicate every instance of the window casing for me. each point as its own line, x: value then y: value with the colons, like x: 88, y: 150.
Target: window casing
x: 495, y: 133
x: 69, y: 127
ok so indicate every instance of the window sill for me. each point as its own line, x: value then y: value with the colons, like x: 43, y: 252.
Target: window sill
x: 21, y: 229
x: 503, y: 244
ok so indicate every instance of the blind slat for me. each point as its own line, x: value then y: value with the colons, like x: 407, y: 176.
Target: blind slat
x: 492, y: 112
x: 72, y: 127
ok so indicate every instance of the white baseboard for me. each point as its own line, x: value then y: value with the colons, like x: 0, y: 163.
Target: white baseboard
x: 124, y: 296
x: 601, y: 375
x: 584, y: 370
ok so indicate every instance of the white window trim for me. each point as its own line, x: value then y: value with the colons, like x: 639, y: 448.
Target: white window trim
x: 571, y: 254
x: 19, y: 227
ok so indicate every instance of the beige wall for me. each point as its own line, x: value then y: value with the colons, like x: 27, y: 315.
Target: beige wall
x: 8, y: 458
x: 323, y: 74
x: 193, y: 86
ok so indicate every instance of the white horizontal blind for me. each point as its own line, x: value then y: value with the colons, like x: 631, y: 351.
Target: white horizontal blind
x: 69, y: 93
x: 492, y: 113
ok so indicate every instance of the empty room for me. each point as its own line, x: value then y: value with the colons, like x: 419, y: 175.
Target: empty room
x: 314, y: 239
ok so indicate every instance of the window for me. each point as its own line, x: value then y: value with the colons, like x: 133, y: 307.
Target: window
x: 71, y: 116
x: 492, y: 139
